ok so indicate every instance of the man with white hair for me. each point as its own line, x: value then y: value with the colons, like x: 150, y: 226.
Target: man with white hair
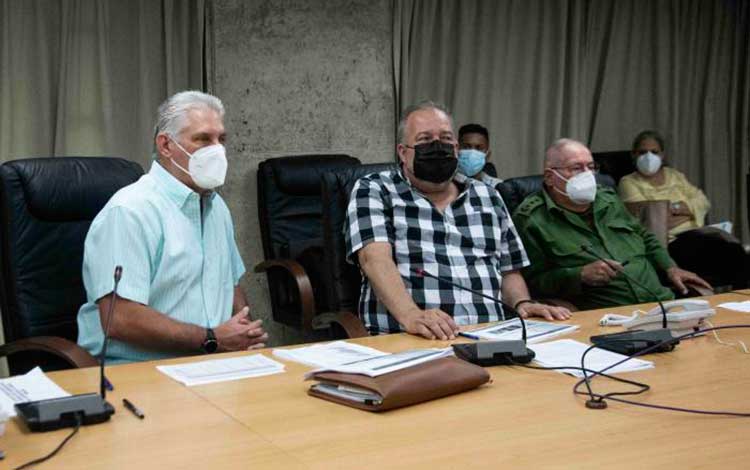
x: 173, y: 236
x: 572, y: 223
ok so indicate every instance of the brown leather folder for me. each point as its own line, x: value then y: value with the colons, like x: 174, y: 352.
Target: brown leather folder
x: 416, y: 384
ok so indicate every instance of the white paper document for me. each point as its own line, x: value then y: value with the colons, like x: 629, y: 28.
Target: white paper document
x: 567, y: 352
x: 384, y: 364
x: 536, y: 331
x: 329, y: 354
x: 737, y: 306
x: 221, y: 370
x: 32, y: 386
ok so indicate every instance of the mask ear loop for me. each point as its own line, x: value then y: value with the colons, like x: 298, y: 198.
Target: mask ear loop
x: 186, y: 153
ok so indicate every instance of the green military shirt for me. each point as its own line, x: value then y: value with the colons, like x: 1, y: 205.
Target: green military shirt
x: 553, y: 237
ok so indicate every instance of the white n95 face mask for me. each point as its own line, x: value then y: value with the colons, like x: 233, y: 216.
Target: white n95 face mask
x: 648, y: 163
x: 581, y: 188
x: 207, y: 166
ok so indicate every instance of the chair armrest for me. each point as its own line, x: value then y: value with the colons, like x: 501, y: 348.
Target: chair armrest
x: 304, y: 287
x: 695, y: 290
x: 67, y: 350
x: 654, y: 215
x: 351, y: 324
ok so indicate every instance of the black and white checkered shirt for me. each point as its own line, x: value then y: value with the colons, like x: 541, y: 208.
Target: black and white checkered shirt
x: 471, y: 243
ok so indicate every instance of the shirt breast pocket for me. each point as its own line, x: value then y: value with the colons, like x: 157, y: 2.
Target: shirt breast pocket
x: 480, y: 228
x: 626, y: 243
x: 565, y: 253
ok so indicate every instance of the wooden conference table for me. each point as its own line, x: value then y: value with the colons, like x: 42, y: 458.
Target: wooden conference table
x: 523, y: 419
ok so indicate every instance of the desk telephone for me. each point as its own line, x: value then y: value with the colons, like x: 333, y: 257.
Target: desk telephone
x: 683, y: 316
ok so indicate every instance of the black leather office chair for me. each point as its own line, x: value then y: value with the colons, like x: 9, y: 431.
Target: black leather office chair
x: 616, y: 164
x: 343, y: 280
x: 490, y: 169
x: 289, y: 211
x: 46, y: 207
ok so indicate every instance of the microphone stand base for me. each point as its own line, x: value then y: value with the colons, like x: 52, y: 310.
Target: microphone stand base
x: 494, y: 353
x: 635, y: 341
x: 57, y: 413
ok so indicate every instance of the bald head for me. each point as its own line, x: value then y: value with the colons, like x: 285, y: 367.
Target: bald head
x: 564, y: 151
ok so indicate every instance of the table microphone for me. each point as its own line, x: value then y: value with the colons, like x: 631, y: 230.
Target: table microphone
x: 489, y: 353
x: 86, y: 408
x: 634, y: 341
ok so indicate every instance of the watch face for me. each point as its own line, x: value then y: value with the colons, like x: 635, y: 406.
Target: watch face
x: 210, y: 345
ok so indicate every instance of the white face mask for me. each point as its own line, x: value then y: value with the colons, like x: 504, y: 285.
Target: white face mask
x: 581, y: 189
x: 648, y: 163
x: 207, y: 166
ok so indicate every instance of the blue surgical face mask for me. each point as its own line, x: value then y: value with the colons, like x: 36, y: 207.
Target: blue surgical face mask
x: 471, y: 161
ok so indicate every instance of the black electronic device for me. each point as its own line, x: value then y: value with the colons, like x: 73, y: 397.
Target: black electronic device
x: 82, y: 409
x: 632, y: 342
x: 63, y: 412
x: 491, y: 353
x: 494, y: 353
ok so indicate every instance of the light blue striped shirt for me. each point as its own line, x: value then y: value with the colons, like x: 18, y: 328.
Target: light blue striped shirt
x: 171, y: 260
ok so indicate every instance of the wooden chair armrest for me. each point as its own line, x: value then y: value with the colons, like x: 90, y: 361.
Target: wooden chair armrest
x: 695, y: 290
x: 654, y: 215
x: 67, y: 350
x: 304, y: 287
x: 351, y: 324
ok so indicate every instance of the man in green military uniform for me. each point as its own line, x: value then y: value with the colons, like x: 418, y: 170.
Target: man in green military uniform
x: 571, y: 213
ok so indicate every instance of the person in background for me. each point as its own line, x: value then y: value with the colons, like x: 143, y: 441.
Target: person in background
x: 474, y: 153
x: 655, y: 180
x: 173, y: 236
x: 426, y: 215
x: 571, y: 223
x: 711, y: 252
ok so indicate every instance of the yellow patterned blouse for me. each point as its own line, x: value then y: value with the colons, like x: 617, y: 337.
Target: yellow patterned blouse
x: 634, y: 188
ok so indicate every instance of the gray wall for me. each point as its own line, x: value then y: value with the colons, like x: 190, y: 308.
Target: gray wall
x: 297, y: 76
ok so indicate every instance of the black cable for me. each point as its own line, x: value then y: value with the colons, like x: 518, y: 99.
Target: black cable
x: 57, y: 449
x: 600, y: 398
x: 644, y: 387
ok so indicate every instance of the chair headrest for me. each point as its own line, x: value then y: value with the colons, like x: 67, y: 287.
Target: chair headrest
x: 62, y: 189
x: 301, y: 176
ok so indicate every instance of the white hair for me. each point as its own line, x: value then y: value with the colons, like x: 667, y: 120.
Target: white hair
x: 173, y: 112
x: 555, y: 151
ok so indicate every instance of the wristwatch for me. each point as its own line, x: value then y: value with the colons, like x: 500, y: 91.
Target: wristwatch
x: 210, y: 344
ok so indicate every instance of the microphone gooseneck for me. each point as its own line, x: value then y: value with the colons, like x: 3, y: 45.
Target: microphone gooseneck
x: 588, y: 249
x: 423, y: 273
x: 105, y: 341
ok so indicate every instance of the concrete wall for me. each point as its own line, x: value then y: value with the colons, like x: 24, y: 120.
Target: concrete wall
x: 297, y: 76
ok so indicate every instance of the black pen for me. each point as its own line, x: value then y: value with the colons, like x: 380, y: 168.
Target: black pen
x: 133, y: 409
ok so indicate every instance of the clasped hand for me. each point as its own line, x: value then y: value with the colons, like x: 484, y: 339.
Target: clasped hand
x: 241, y: 333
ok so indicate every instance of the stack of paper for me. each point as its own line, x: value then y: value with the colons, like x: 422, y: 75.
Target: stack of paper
x: 384, y: 364
x: 567, y: 352
x: 329, y: 354
x: 32, y: 386
x: 536, y: 331
x: 220, y: 370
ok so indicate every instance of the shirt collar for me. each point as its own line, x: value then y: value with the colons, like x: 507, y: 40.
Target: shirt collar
x: 173, y: 188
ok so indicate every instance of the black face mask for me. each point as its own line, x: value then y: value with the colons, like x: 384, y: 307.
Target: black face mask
x: 434, y: 161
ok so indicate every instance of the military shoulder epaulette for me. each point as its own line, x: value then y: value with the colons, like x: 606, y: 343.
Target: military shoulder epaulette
x: 529, y: 204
